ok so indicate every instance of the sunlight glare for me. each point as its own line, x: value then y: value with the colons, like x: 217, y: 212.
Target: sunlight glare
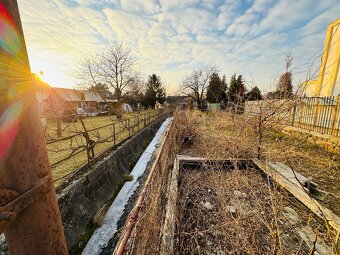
x: 12, y: 84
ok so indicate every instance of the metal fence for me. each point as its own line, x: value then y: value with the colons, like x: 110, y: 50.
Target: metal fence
x: 320, y: 114
x: 71, y: 152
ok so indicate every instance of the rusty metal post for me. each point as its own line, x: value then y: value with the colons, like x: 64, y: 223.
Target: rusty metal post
x: 32, y: 221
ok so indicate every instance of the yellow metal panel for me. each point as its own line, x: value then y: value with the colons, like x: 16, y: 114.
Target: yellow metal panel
x: 309, y: 88
x: 330, y: 60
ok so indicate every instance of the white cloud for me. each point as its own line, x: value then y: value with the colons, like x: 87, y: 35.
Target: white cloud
x: 167, y: 5
x: 169, y: 37
x: 127, y: 26
x: 190, y: 20
x: 144, y: 6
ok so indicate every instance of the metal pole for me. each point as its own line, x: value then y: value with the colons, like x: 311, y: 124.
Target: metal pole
x: 34, y: 225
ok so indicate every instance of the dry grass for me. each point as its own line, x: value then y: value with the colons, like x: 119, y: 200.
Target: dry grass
x: 62, y: 149
x: 223, y: 135
x: 258, y: 226
x: 76, y: 126
x: 232, y: 212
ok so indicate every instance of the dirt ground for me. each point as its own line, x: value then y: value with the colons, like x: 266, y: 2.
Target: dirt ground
x: 235, y: 212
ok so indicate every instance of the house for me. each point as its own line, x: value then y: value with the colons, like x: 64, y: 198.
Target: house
x: 71, y: 98
x: 56, y: 101
x: 94, y: 99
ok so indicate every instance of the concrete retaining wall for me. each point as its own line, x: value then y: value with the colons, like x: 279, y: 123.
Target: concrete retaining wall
x: 83, y: 198
x: 330, y: 143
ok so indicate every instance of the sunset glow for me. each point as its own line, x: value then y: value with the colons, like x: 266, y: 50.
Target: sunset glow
x: 170, y: 37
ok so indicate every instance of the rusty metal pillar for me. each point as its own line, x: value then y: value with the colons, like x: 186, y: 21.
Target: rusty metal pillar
x: 29, y: 213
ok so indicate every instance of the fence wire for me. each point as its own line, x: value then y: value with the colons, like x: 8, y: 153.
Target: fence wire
x: 82, y: 141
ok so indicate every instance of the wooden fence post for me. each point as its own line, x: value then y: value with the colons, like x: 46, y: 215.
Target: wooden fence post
x: 89, y: 143
x: 114, y: 133
x: 129, y: 126
x: 293, y: 115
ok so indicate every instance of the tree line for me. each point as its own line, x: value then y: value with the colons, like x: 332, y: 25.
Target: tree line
x: 110, y: 72
x: 205, y: 85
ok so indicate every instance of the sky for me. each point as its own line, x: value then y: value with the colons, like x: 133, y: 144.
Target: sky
x: 171, y: 37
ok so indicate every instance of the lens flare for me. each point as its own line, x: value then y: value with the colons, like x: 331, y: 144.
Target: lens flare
x: 9, y: 37
x: 9, y: 123
x: 11, y: 81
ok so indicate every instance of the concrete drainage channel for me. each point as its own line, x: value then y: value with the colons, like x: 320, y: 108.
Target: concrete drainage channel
x: 104, y: 238
x: 85, y: 199
x: 108, y: 191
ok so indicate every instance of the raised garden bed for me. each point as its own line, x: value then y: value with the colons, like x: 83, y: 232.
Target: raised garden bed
x: 244, y: 207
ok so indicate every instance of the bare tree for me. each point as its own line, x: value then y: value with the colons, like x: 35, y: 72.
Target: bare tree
x: 87, y: 73
x: 112, y: 66
x: 196, y: 83
x: 285, y: 87
x: 115, y: 68
x: 269, y: 115
x: 289, y: 60
x: 135, y: 92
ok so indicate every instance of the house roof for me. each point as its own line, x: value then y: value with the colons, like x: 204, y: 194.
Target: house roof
x: 70, y: 95
x: 93, y: 96
x: 43, y: 91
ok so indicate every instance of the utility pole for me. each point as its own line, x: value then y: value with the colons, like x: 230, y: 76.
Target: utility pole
x: 29, y: 213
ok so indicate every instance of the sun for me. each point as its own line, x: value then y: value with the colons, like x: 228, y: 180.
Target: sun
x: 40, y: 75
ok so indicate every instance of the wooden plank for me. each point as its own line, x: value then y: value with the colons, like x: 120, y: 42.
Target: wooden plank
x: 294, y: 177
x: 169, y: 227
x: 298, y: 192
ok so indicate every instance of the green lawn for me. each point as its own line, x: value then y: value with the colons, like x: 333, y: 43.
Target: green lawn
x: 72, y: 143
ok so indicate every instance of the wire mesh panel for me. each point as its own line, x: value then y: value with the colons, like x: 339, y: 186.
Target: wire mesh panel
x: 85, y: 139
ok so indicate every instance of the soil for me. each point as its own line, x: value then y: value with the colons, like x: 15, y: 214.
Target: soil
x: 239, y: 212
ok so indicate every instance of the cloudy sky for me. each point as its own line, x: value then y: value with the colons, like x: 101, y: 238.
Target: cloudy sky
x: 171, y: 37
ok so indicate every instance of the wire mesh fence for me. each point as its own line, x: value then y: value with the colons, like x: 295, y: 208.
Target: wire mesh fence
x: 83, y: 142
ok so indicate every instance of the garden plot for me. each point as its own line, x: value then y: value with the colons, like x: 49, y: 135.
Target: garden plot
x: 233, y: 207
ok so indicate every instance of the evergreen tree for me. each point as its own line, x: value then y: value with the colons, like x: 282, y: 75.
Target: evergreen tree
x: 236, y: 89
x: 154, y: 91
x: 253, y: 94
x: 102, y: 89
x: 216, y: 89
x: 224, y: 84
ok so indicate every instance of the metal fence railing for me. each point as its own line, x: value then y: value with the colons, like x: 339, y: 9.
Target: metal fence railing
x: 71, y: 152
x: 320, y: 114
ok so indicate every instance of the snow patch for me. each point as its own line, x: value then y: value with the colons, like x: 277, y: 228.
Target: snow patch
x: 106, y: 231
